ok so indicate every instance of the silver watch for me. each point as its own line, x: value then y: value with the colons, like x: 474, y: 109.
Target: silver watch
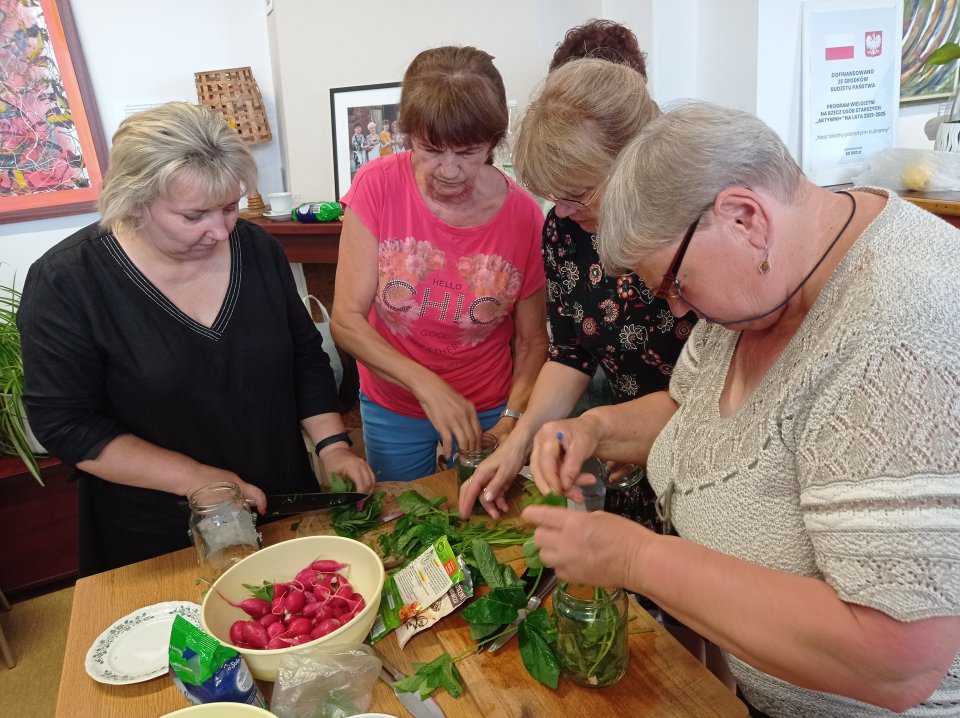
x: 511, y: 413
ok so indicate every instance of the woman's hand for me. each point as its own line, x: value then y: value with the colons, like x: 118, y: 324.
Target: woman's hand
x: 453, y: 416
x: 593, y: 548
x: 252, y: 494
x: 492, y: 479
x: 343, y: 462
x: 559, y: 450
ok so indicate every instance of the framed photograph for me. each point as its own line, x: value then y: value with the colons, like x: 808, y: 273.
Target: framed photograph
x: 927, y: 24
x: 51, y: 143
x: 365, y: 122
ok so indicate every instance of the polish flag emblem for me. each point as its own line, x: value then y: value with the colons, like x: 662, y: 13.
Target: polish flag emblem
x: 873, y: 43
x: 839, y: 47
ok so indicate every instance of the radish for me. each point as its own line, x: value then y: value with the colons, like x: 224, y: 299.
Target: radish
x: 310, y: 610
x: 324, y: 627
x: 268, y: 620
x: 236, y: 632
x: 275, y: 629
x: 293, y: 602
x: 255, y: 634
x: 299, y: 626
x: 253, y: 607
x: 308, y: 576
x: 326, y: 566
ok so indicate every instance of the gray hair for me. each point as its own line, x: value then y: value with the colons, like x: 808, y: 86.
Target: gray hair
x: 586, y: 112
x: 154, y: 147
x: 676, y: 167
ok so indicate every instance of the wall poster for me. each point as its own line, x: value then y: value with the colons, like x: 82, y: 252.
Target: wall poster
x: 851, y: 85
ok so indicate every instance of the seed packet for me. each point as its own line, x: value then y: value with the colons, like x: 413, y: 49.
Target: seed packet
x: 412, y: 589
x: 206, y: 671
x: 449, y: 602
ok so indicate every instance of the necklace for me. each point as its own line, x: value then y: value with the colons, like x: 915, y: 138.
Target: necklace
x: 790, y: 296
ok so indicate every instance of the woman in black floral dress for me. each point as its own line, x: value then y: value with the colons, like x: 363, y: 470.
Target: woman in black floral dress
x: 587, y: 110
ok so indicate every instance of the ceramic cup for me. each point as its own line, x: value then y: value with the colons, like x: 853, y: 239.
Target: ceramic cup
x: 282, y: 201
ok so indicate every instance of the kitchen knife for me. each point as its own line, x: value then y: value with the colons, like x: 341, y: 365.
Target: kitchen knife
x: 285, y: 504
x: 418, y: 707
x: 545, y: 588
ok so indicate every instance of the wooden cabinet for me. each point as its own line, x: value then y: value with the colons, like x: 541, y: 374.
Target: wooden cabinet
x: 38, y: 525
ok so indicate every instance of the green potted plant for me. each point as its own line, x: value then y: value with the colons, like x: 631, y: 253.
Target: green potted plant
x: 947, y: 125
x: 15, y: 435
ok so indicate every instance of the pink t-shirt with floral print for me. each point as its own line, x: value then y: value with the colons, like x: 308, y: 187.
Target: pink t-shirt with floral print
x: 445, y: 295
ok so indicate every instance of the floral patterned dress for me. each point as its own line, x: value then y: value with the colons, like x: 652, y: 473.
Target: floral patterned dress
x: 611, y: 321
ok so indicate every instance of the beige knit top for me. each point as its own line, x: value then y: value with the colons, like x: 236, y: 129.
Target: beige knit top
x: 844, y: 464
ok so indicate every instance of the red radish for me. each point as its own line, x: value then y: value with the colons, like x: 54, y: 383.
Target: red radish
x: 275, y: 629
x: 326, y: 566
x: 324, y: 627
x: 277, y: 642
x: 276, y: 606
x: 293, y: 602
x: 310, y: 610
x: 308, y: 576
x: 298, y: 626
x: 255, y: 634
x: 302, y: 638
x: 269, y: 620
x: 253, y: 607
x: 236, y: 632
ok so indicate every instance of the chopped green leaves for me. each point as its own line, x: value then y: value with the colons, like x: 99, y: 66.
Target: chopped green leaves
x: 438, y: 673
x: 353, y: 521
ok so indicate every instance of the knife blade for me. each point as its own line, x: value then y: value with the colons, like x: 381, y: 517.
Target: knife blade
x: 418, y: 707
x: 285, y: 504
x: 532, y: 605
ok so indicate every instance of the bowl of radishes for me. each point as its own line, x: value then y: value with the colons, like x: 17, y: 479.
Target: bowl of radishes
x: 292, y: 597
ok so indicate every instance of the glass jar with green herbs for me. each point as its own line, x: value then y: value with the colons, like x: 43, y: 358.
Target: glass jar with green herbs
x: 591, y: 633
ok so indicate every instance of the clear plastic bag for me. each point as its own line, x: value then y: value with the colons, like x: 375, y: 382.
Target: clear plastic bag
x: 328, y: 682
x: 902, y: 168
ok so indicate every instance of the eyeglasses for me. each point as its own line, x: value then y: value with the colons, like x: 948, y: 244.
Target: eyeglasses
x: 576, y: 203
x: 670, y: 286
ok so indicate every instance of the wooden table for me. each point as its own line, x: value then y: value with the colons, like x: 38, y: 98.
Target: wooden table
x: 305, y: 242
x: 663, y: 679
x: 945, y: 205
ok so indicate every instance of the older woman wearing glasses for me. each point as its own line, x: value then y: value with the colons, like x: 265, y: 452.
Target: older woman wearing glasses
x: 808, y: 451
x: 587, y: 110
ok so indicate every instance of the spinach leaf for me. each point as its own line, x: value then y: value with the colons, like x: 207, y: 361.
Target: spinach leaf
x: 535, y: 652
x: 438, y: 673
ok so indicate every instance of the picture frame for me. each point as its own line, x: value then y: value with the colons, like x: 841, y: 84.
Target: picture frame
x: 927, y: 24
x: 60, y: 173
x: 363, y: 105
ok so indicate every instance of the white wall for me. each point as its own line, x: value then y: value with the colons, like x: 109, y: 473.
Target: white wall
x: 744, y: 53
x: 138, y: 50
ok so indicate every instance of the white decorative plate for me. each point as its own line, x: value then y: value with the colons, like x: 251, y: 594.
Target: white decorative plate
x: 135, y: 648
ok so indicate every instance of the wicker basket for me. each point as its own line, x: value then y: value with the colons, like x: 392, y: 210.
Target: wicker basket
x: 235, y: 95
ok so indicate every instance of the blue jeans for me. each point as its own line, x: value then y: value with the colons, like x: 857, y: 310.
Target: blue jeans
x: 404, y: 448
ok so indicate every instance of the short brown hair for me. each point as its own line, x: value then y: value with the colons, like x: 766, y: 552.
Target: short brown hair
x: 586, y: 112
x: 454, y: 97
x: 604, y: 40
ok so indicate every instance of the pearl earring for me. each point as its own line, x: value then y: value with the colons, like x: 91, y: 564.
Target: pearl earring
x: 765, y: 264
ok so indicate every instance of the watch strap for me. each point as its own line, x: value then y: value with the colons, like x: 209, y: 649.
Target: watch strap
x: 324, y: 443
x: 512, y: 413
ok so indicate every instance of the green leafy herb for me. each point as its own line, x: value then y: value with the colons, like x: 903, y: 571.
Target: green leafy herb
x: 533, y: 497
x: 536, y: 633
x: 353, y: 521
x: 591, y: 650
x: 438, y: 673
x: 264, y: 592
x: 424, y: 522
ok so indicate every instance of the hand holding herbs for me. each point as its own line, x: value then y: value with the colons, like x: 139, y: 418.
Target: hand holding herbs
x: 353, y: 521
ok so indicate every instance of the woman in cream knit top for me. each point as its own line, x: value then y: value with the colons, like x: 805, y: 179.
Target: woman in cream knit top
x: 807, y: 455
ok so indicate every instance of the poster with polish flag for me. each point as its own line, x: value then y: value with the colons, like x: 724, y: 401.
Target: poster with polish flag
x: 839, y: 47
x: 851, y: 85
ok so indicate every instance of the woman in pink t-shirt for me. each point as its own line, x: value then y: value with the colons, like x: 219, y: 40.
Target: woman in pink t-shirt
x: 440, y: 288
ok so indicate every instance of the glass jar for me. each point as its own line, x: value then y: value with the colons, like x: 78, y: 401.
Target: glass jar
x: 222, y: 527
x: 591, y: 633
x: 466, y: 462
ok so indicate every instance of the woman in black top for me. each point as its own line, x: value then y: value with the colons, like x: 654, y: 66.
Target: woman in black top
x: 587, y: 111
x: 166, y: 347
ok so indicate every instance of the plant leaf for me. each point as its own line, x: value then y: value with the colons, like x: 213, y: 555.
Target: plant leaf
x: 438, y: 673
x: 537, y: 656
x: 415, y: 504
x: 499, y: 606
x: 531, y: 554
x: 264, y: 592
x: 944, y: 54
